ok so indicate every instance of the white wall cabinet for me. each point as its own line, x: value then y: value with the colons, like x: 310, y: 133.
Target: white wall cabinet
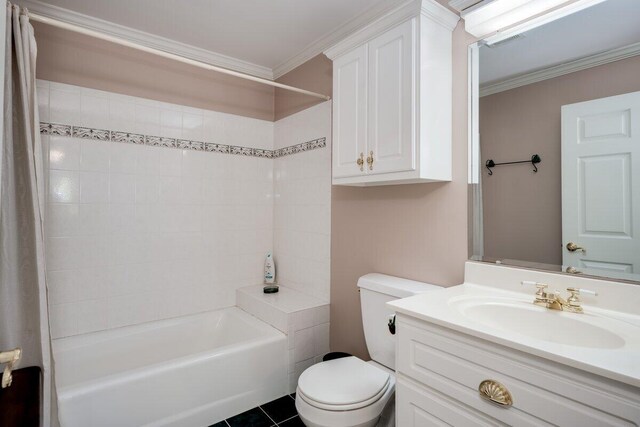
x: 392, y: 99
x: 439, y: 372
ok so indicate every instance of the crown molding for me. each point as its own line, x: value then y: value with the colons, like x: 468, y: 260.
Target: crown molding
x: 440, y: 14
x: 461, y: 5
x: 395, y: 16
x: 562, y: 69
x: 147, y: 39
x: 401, y: 13
x: 320, y: 45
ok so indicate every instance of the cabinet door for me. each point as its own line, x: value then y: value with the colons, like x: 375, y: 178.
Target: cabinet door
x: 391, y: 105
x: 418, y: 406
x: 349, y: 113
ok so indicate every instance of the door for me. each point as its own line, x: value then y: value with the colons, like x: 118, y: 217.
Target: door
x: 601, y: 185
x: 391, y: 101
x: 350, y: 113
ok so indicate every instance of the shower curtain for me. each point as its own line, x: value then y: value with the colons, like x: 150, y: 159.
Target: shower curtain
x: 24, y: 320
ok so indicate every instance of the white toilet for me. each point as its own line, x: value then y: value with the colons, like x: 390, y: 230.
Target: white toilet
x: 349, y: 392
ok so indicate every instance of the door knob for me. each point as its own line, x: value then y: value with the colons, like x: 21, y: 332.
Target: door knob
x: 360, y: 162
x: 572, y: 247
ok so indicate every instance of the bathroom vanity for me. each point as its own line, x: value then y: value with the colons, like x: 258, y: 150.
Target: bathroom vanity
x: 483, y: 354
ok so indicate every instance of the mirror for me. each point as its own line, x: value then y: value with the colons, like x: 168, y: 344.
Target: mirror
x: 555, y: 150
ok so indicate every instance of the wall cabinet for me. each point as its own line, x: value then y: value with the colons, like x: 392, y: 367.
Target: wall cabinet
x: 440, y: 370
x: 392, y: 99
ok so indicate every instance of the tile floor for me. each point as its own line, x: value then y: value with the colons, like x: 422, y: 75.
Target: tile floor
x: 280, y: 412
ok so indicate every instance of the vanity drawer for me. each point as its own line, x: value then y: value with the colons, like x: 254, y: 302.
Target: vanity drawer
x: 419, y: 406
x: 455, y: 364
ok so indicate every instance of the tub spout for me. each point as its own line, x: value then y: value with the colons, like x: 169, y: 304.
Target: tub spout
x: 11, y: 358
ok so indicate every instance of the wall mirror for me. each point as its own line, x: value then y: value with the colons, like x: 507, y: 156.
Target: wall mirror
x: 555, y: 144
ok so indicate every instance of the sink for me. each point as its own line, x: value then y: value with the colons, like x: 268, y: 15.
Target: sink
x: 524, y: 318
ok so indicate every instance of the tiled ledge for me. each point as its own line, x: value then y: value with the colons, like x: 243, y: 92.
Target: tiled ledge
x: 183, y: 144
x: 303, y: 318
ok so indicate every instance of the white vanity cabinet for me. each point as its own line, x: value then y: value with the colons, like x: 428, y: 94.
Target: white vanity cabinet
x: 392, y: 99
x: 440, y: 370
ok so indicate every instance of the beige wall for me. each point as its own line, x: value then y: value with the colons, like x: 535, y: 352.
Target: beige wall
x: 71, y: 58
x: 314, y: 75
x: 522, y: 209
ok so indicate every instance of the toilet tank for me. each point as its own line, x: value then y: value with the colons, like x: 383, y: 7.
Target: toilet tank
x: 375, y: 291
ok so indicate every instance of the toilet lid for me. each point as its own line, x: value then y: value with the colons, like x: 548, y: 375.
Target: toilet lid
x: 347, y: 381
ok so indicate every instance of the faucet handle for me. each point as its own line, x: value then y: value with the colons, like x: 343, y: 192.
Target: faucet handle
x: 532, y: 283
x: 574, y: 298
x: 582, y: 291
x: 540, y: 286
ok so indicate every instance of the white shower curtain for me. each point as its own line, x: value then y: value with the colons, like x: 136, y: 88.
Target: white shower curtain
x: 24, y: 320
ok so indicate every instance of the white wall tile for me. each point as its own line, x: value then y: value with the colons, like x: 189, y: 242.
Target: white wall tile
x: 64, y: 106
x: 137, y: 233
x: 64, y: 153
x: 122, y: 158
x: 64, y: 186
x: 122, y: 188
x: 302, y: 203
x: 94, y: 156
x: 125, y: 224
x: 122, y: 114
x: 94, y: 110
x: 94, y: 187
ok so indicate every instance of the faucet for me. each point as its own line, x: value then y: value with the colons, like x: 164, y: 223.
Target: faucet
x: 11, y: 358
x: 553, y: 300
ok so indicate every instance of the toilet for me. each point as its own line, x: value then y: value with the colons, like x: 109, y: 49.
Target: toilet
x: 349, y: 392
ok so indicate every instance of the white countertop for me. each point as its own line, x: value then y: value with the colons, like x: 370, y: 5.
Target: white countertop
x: 620, y: 362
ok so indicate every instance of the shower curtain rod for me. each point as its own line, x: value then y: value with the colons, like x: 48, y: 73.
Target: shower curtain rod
x: 158, y: 52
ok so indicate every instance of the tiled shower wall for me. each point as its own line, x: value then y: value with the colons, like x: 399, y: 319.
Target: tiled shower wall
x: 302, y: 214
x: 138, y: 233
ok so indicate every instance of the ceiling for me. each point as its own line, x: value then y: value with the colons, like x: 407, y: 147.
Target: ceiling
x: 605, y: 26
x: 265, y: 33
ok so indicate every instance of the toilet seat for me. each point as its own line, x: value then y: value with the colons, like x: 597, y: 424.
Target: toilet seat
x: 343, y: 384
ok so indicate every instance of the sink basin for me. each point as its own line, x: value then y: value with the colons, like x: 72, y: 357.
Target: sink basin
x: 539, y: 323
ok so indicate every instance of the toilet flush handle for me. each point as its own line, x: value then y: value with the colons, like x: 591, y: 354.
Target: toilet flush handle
x: 392, y: 324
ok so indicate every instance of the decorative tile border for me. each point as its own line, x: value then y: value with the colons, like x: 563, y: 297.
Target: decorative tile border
x: 183, y: 144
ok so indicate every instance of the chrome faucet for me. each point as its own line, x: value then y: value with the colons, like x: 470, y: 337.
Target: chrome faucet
x: 553, y: 300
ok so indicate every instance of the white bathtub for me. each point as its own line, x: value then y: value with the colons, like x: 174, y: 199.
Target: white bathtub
x: 189, y: 371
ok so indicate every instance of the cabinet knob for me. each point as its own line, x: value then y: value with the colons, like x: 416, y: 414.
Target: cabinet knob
x: 495, y: 392
x: 360, y: 162
x: 370, y: 160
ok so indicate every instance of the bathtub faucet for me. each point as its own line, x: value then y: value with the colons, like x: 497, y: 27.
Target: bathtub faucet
x: 11, y: 358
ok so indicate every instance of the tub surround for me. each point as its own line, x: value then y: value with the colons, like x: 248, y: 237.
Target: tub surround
x: 95, y: 134
x: 158, y: 210
x: 304, y: 319
x: 302, y: 203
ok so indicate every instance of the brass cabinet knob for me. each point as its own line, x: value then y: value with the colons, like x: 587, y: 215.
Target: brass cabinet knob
x: 370, y: 160
x: 572, y: 247
x: 495, y: 392
x: 360, y: 162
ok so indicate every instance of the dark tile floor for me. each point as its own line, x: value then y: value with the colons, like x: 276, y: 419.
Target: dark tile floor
x: 280, y: 412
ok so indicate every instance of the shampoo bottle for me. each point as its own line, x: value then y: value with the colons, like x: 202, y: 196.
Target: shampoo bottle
x: 270, y: 275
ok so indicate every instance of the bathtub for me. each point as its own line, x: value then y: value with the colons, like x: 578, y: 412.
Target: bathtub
x: 189, y: 371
